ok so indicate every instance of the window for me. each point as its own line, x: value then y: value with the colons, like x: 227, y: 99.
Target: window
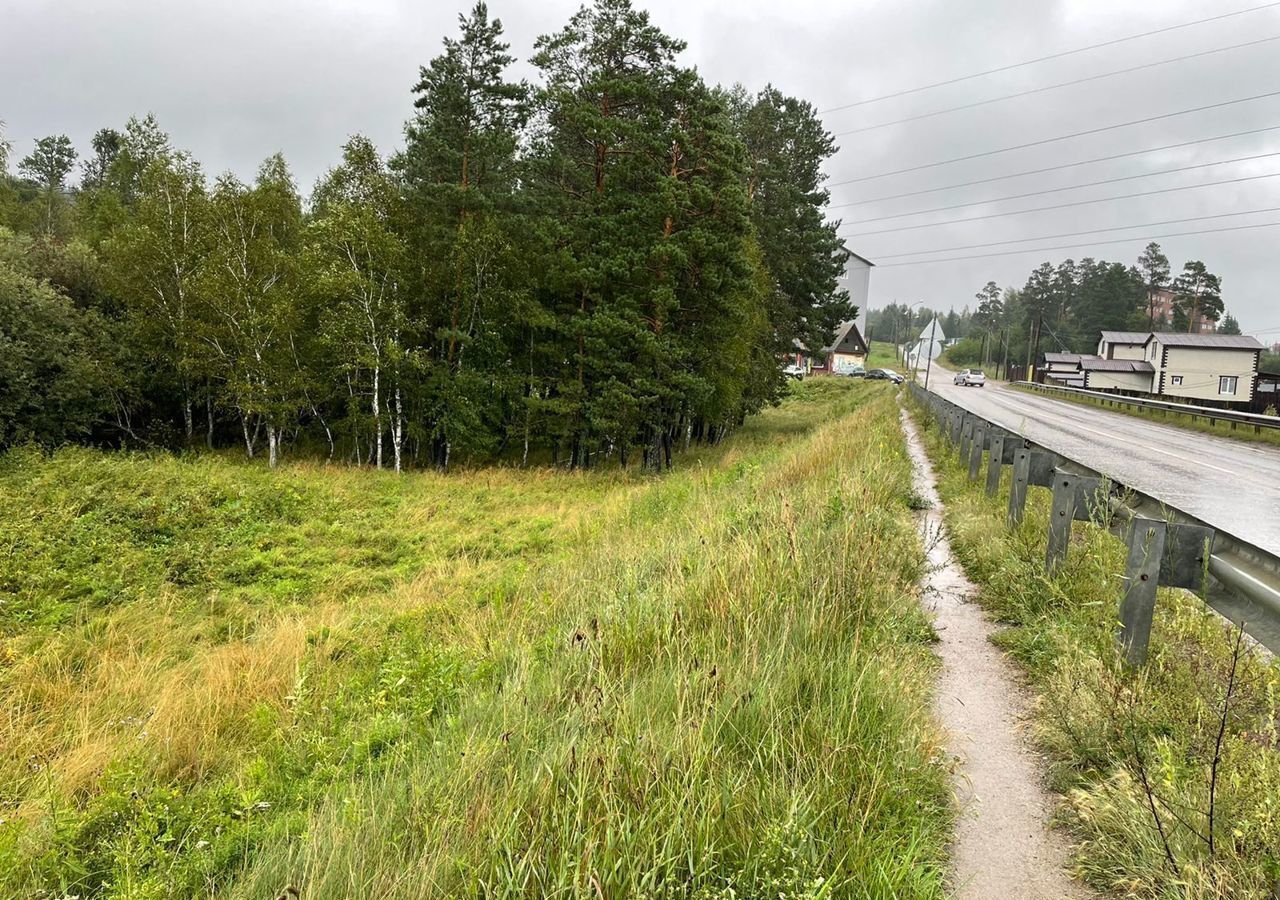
x: 1227, y: 385
x: 1176, y: 381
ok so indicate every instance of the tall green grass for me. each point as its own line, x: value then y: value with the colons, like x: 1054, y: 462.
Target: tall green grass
x: 711, y: 684
x: 1106, y: 730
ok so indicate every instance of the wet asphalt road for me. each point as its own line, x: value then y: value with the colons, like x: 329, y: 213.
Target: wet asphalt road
x: 1231, y: 485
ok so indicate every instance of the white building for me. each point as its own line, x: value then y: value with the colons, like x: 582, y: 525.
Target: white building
x: 856, y: 279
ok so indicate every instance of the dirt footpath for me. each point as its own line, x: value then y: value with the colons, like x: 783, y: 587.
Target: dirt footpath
x: 1003, y: 845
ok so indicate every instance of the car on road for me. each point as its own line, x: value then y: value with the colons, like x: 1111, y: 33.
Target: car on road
x: 970, y: 378
x: 885, y: 375
x: 794, y: 371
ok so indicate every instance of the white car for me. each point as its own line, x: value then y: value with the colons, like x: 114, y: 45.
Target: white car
x: 794, y: 371
x: 970, y: 378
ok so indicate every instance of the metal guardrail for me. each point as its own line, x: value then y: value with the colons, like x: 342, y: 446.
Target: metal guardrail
x: 1214, y: 415
x: 1167, y: 547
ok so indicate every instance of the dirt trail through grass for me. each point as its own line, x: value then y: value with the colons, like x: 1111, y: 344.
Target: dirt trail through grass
x: 1003, y: 846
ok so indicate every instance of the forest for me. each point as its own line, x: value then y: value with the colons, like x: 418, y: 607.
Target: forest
x: 1063, y: 307
x: 606, y: 264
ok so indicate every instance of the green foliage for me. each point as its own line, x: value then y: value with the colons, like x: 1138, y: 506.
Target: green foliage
x: 608, y: 265
x: 57, y: 379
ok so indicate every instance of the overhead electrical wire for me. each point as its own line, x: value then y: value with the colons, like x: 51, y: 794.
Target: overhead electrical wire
x: 1039, y: 59
x: 1063, y: 137
x: 1058, y: 190
x: 1069, y: 234
x: 1020, y: 212
x: 1083, y: 162
x: 1054, y: 87
x: 1152, y: 237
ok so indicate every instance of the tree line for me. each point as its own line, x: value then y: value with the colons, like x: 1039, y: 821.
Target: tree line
x: 607, y: 264
x: 1064, y: 307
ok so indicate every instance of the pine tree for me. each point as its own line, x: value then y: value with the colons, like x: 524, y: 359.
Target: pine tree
x: 48, y: 165
x: 460, y: 171
x: 787, y: 146
x: 1197, y: 297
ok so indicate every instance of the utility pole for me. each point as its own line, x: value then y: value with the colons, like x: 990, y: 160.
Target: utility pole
x: 933, y: 329
x: 1033, y: 342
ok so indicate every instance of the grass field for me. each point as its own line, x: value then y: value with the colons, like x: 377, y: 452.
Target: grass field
x: 1199, y: 423
x: 1121, y: 744
x: 220, y: 680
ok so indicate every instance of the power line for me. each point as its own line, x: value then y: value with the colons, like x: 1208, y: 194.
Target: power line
x: 925, y: 262
x: 1083, y: 162
x: 1058, y: 190
x: 1054, y: 87
x: 1019, y: 212
x: 1039, y: 59
x: 1067, y: 234
x: 1064, y: 137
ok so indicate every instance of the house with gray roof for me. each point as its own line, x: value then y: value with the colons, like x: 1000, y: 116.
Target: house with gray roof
x: 1220, y: 368
x: 1123, y: 344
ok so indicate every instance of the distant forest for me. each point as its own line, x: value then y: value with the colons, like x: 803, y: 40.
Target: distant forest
x: 605, y: 264
x: 1071, y: 302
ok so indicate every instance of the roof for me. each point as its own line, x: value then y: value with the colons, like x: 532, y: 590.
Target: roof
x: 1126, y: 337
x: 859, y: 258
x: 1063, y: 357
x: 848, y: 340
x: 1093, y: 364
x: 1212, y: 341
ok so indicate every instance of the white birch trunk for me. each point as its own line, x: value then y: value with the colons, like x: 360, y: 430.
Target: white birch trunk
x: 397, y: 429
x: 377, y: 418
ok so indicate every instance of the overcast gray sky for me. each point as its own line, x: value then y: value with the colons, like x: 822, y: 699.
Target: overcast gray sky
x: 236, y: 80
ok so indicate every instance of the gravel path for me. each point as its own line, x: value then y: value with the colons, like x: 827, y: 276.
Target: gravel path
x: 1003, y: 847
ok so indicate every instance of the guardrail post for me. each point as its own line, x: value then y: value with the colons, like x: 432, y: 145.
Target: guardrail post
x: 1060, y: 519
x: 1018, y: 486
x: 966, y: 437
x: 1142, y: 574
x: 957, y: 426
x: 993, y: 464
x: 975, y: 452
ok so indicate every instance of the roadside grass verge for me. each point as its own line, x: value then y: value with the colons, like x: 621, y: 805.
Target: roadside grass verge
x: 1130, y: 750
x: 715, y: 683
x: 1179, y: 420
x: 883, y: 355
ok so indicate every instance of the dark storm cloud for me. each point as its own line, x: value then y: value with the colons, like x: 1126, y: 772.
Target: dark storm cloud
x: 236, y: 80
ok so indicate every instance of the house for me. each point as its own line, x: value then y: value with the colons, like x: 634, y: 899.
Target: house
x: 1063, y: 368
x: 847, y: 351
x: 1123, y: 344
x: 1199, y: 367
x: 1130, y: 376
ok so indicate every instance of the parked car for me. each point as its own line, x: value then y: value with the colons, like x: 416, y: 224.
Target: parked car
x: 852, y: 372
x: 794, y: 371
x: 885, y: 375
x: 970, y: 378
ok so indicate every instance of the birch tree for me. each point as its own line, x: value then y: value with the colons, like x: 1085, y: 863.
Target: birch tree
x: 156, y: 260
x: 252, y: 299
x: 356, y: 261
